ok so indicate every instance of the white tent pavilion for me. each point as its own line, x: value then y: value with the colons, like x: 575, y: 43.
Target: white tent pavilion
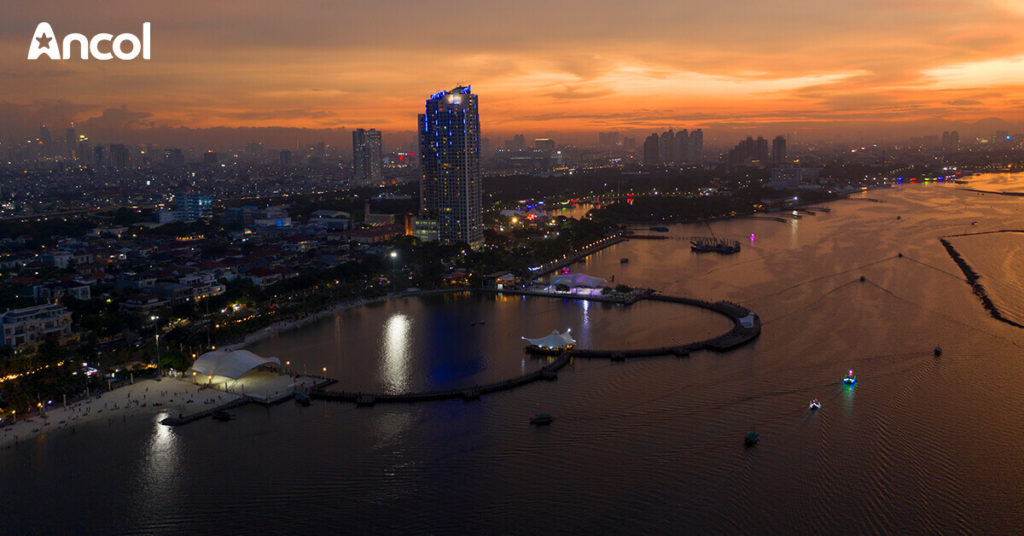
x: 578, y: 280
x: 231, y: 364
x: 555, y: 340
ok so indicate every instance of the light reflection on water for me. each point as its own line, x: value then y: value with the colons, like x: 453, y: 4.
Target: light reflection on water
x: 396, y: 345
x: 161, y: 471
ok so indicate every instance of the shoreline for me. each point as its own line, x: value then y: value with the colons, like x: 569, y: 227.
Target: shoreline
x: 144, y: 397
x: 286, y: 325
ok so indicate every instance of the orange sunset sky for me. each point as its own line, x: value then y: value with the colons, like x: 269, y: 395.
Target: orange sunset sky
x: 552, y: 67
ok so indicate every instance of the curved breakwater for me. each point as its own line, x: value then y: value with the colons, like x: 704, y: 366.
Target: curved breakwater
x: 739, y: 335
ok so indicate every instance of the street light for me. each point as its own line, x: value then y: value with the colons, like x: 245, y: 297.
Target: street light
x: 156, y: 335
x: 394, y: 262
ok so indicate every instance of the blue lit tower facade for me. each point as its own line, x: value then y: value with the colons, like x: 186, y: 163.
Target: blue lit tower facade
x: 450, y: 189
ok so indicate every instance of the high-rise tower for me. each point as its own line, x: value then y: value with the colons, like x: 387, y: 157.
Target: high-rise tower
x: 450, y: 189
x: 778, y: 150
x: 366, y: 157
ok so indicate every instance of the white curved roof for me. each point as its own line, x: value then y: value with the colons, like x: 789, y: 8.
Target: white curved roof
x: 232, y: 364
x: 554, y: 340
x: 577, y: 280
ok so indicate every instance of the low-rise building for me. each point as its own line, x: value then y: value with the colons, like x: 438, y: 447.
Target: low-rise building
x: 31, y: 325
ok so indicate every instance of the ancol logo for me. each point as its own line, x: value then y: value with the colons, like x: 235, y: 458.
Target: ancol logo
x: 44, y: 43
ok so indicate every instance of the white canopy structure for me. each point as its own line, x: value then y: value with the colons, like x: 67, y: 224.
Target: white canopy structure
x: 747, y: 321
x: 578, y: 280
x: 231, y: 364
x: 554, y: 340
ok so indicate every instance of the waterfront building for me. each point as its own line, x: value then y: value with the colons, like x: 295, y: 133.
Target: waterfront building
x: 450, y: 187
x: 31, y: 325
x: 366, y: 156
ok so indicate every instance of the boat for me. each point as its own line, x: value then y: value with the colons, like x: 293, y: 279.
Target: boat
x: 302, y: 399
x: 660, y: 229
x: 541, y: 419
x: 221, y: 415
x: 850, y: 379
x: 815, y: 405
x: 938, y: 351
x: 751, y: 439
x: 624, y: 260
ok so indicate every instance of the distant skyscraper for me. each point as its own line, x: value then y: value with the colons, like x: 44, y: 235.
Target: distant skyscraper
x: 286, y: 158
x: 666, y: 146
x: 778, y: 150
x: 366, y: 156
x: 450, y: 188
x: 607, y: 139
x: 210, y: 158
x: 119, y: 157
x: 544, y: 144
x: 651, y: 150
x: 99, y: 157
x: 761, y: 150
x: 950, y: 141
x: 696, y: 146
x: 517, y: 143
x: 70, y: 142
x: 681, y: 150
x: 174, y: 158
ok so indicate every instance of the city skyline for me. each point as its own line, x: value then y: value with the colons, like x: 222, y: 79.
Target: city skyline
x: 836, y: 71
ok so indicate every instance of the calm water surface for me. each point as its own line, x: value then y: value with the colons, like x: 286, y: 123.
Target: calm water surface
x: 920, y: 445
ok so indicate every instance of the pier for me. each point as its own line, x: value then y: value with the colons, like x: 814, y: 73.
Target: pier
x: 284, y: 385
x: 577, y: 255
x: 746, y: 327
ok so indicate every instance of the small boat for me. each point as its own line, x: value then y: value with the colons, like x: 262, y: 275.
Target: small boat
x: 751, y: 439
x: 938, y: 351
x: 302, y: 399
x: 222, y: 416
x: 815, y: 405
x: 624, y: 260
x: 541, y: 418
x: 850, y: 379
x: 660, y: 229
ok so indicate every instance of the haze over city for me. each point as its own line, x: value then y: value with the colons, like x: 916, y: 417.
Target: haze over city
x: 310, y: 71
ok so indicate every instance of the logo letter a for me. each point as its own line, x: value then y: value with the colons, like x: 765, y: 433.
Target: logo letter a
x: 44, y: 43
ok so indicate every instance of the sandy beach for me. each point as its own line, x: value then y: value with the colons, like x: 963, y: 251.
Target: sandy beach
x: 144, y: 397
